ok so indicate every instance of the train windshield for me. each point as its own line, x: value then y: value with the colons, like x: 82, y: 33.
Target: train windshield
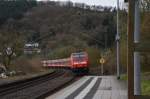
x: 79, y: 57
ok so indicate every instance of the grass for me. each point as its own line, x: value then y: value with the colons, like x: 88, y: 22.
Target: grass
x: 145, y: 84
x: 145, y: 87
x: 123, y: 77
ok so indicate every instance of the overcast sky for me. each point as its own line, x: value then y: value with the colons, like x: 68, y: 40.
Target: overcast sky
x: 94, y: 2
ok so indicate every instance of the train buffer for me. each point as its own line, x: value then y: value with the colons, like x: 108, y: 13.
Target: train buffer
x: 93, y: 87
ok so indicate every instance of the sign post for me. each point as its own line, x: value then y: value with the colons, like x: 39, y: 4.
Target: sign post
x: 9, y: 51
x: 102, y: 61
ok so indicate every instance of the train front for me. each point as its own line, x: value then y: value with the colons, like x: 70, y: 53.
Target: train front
x: 80, y: 62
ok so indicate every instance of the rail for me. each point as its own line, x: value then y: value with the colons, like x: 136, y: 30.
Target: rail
x: 29, y: 85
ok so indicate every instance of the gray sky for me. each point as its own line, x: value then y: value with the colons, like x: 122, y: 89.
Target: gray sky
x: 94, y: 2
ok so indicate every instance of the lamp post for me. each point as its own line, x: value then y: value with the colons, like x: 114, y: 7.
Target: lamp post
x: 117, y: 40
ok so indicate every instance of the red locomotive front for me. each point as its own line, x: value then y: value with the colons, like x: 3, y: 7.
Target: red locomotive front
x: 79, y: 61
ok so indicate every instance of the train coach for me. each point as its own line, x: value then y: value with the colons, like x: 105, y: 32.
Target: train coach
x: 58, y: 63
x: 77, y: 62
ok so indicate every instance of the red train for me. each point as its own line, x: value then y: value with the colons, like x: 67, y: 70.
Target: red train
x: 80, y: 62
x: 77, y: 62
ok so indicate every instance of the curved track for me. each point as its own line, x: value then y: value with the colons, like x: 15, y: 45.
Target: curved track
x: 36, y: 87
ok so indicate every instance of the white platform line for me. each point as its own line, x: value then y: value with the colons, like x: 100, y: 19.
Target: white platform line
x: 68, y: 90
x: 87, y: 89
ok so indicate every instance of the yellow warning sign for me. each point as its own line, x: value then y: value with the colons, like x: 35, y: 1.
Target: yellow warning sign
x: 102, y: 60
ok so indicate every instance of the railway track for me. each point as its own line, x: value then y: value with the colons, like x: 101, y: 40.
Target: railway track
x: 36, y: 87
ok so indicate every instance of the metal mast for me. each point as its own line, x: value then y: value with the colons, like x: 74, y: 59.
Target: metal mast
x: 137, y: 72
x: 117, y: 40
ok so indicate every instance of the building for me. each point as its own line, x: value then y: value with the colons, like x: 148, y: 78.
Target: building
x: 30, y: 48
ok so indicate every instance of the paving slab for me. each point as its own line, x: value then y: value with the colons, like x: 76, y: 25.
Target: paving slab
x: 111, y: 88
x: 94, y: 87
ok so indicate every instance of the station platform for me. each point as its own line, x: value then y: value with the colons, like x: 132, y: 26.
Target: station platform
x: 94, y: 87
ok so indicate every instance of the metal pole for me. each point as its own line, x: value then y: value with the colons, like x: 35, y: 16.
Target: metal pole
x: 130, y: 49
x: 137, y: 77
x: 105, y: 41
x: 102, y: 66
x: 102, y: 69
x: 117, y: 39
